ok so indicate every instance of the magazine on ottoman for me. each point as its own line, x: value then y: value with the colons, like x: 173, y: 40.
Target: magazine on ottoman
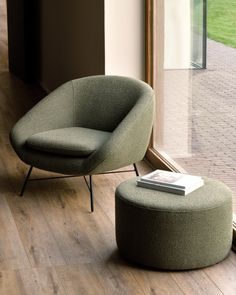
x: 172, y: 182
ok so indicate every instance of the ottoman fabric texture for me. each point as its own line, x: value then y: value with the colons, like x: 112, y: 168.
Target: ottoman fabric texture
x: 174, y: 232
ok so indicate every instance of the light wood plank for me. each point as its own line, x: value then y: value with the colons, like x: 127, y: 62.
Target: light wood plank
x: 195, y: 282
x: 80, y: 279
x: 39, y: 242
x: 12, y: 252
x: 224, y: 276
x: 70, y: 235
x: 40, y: 281
x: 10, y: 283
x: 33, y: 229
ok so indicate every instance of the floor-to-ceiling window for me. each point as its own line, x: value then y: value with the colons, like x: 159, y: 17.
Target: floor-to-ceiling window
x: 194, y: 80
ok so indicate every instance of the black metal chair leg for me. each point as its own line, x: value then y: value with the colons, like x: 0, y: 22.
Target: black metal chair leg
x: 91, y: 192
x: 25, y: 182
x: 90, y: 188
x: 136, y: 170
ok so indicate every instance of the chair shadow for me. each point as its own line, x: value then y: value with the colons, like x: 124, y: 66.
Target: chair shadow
x: 7, y: 184
x: 13, y: 184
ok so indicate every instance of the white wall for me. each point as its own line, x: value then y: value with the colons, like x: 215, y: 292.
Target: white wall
x: 177, y: 34
x: 124, y: 38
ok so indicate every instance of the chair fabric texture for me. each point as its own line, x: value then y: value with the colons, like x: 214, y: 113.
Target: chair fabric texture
x: 73, y: 141
x: 173, y: 232
x: 87, y: 126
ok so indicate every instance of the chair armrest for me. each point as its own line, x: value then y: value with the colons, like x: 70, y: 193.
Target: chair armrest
x: 52, y: 112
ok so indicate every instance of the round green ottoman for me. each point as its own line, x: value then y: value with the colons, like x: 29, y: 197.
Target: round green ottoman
x: 169, y: 231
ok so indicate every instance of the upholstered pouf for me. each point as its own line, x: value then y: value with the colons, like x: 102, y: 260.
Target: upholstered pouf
x: 169, y: 231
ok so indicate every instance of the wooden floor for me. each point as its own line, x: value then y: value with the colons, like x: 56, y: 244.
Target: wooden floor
x: 49, y: 241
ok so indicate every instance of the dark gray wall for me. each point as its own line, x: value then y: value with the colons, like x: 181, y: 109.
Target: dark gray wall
x: 72, y: 40
x: 22, y: 38
x: 55, y: 41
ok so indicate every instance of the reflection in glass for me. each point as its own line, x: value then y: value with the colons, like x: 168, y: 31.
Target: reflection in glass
x: 179, y: 41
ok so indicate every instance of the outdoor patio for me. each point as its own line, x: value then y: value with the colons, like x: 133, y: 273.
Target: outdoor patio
x: 212, y: 117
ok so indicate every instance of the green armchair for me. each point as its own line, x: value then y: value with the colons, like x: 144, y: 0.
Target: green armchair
x: 87, y: 126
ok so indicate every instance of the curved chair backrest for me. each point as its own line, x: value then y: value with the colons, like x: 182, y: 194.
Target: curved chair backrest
x: 102, y: 102
x: 120, y: 105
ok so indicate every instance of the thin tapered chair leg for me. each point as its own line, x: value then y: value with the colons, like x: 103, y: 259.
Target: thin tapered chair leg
x: 91, y: 192
x: 26, y: 180
x: 136, y: 170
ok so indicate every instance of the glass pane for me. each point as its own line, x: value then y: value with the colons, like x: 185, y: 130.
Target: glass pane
x: 198, y: 33
x: 196, y: 107
x: 179, y: 47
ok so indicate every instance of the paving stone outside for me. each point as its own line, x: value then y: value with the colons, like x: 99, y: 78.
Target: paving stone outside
x: 212, y: 116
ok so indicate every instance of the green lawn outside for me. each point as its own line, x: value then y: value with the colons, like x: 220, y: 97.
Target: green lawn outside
x: 222, y: 21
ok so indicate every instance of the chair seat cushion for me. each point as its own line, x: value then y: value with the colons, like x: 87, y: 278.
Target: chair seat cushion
x: 72, y: 141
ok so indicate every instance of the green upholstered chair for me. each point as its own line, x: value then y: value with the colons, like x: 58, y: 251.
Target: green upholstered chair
x: 87, y: 126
